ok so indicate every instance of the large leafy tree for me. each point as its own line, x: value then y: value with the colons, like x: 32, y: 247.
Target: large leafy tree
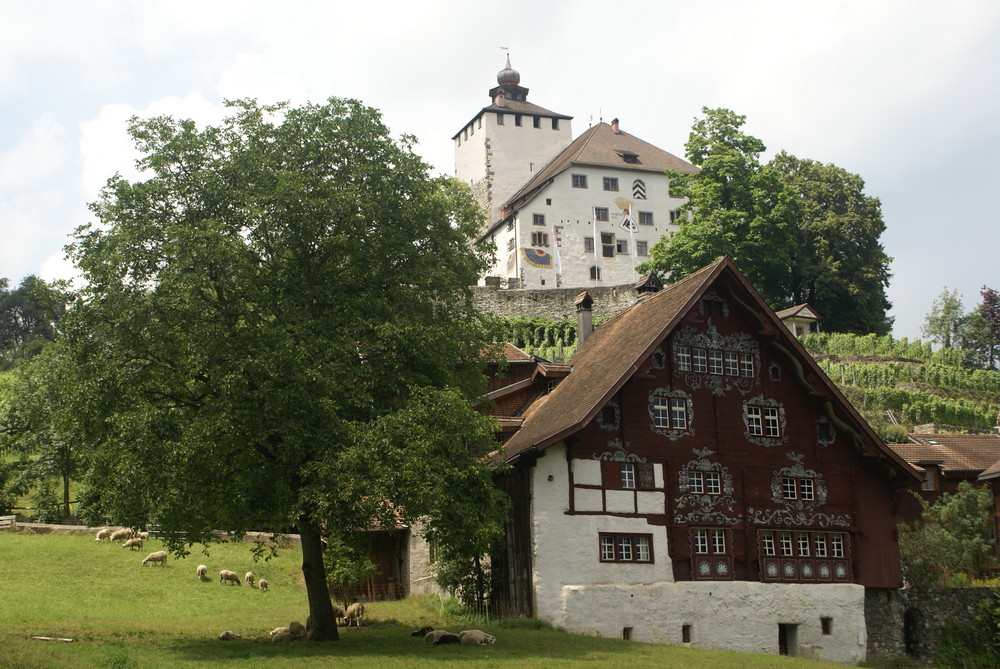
x: 29, y: 316
x: 944, y: 322
x: 277, y: 332
x: 736, y: 207
x: 840, y: 266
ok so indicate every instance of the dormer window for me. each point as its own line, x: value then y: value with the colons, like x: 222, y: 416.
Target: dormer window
x: 629, y: 157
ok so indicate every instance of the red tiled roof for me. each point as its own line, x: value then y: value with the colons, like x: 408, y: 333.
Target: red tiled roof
x: 957, y: 452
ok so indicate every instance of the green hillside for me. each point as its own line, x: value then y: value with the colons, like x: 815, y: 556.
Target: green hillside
x: 896, y: 384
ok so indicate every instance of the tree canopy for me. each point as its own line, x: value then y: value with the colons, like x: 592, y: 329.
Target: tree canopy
x: 277, y: 332
x: 800, y: 230
x: 29, y: 316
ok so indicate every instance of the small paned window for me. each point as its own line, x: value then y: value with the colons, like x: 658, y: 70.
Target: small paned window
x: 754, y: 425
x: 610, y: 183
x: 621, y: 246
x: 700, y: 360
x: 641, y: 249
x: 645, y: 218
x: 539, y: 239
x: 718, y: 541
x: 788, y: 488
x: 678, y: 413
x: 696, y: 483
x: 607, y: 245
x: 837, y: 545
x: 732, y: 363
x: 786, y: 543
x: 715, y: 362
x: 626, y: 547
x: 628, y: 476
x: 746, y: 365
x: 588, y: 246
x: 674, y: 215
x: 701, y: 542
x: 661, y: 417
x: 499, y: 118
x: 819, y: 543
x: 601, y: 214
x: 803, y: 544
x: 579, y: 181
x: 538, y: 219
x: 536, y: 121
x: 713, y: 483
x: 767, y: 543
x: 595, y: 273
x: 683, y: 354
x: 807, y: 490
x: 771, y: 424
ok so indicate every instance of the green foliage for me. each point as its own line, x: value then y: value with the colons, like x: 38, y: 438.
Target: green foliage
x: 348, y: 564
x: 975, y: 644
x: 955, y: 537
x: 29, y: 317
x: 840, y: 266
x: 736, y: 207
x: 277, y: 330
x: 943, y: 323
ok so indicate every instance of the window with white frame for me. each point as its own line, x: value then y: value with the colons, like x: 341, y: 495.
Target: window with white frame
x: 683, y: 356
x: 763, y: 421
x: 732, y: 363
x: 678, y: 413
x: 715, y: 362
x: 661, y: 412
x: 627, y: 470
x: 699, y: 359
x: 626, y: 547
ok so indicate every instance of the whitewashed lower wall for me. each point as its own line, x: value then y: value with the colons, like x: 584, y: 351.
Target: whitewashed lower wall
x: 420, y: 570
x: 575, y: 591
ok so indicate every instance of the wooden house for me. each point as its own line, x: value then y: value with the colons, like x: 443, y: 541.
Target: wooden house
x: 693, y: 477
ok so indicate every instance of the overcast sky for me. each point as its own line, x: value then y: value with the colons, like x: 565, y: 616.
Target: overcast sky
x: 905, y: 93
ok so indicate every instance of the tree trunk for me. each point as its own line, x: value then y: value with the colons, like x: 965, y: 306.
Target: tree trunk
x: 65, y: 479
x: 322, y: 625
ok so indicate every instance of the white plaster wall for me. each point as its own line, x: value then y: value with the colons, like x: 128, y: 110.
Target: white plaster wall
x: 586, y: 472
x: 420, y: 571
x: 571, y: 211
x: 577, y: 592
x: 724, y: 615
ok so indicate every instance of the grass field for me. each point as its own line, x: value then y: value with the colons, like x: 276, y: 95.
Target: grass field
x: 123, y: 615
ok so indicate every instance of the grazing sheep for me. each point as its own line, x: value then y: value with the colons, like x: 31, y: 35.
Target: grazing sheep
x: 355, y: 613
x: 202, y: 572
x: 120, y: 535
x: 297, y: 628
x: 476, y: 638
x: 103, y: 534
x: 338, y: 612
x: 282, y: 637
x: 280, y: 630
x: 132, y: 544
x: 231, y: 576
x: 423, y: 631
x: 158, y: 556
x: 249, y: 578
x: 228, y: 635
x: 434, y: 635
x: 143, y: 535
x: 262, y: 584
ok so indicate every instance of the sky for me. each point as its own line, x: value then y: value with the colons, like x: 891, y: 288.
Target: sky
x: 905, y: 93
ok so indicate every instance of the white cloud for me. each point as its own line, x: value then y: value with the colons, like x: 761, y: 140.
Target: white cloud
x: 41, y: 152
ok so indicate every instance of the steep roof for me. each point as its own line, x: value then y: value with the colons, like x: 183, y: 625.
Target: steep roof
x: 515, y: 107
x: 617, y: 349
x: 601, y: 146
x: 972, y: 453
x: 799, y: 311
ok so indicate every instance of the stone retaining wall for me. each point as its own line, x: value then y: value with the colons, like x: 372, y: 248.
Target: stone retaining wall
x: 556, y: 303
x: 905, y: 622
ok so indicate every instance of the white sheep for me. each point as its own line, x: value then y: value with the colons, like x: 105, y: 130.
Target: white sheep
x: 282, y: 637
x: 231, y: 576
x: 202, y: 572
x: 338, y: 612
x: 262, y: 584
x: 120, y: 535
x: 355, y: 613
x: 280, y: 630
x: 132, y: 543
x: 297, y: 629
x: 476, y: 638
x: 434, y: 635
x: 158, y: 556
x: 143, y: 535
x: 228, y: 635
x: 103, y: 534
x: 249, y: 578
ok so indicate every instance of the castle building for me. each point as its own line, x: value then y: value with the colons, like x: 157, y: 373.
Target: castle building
x: 563, y: 212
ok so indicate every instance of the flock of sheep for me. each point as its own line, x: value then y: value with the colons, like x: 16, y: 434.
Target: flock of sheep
x: 352, y: 615
x: 133, y: 539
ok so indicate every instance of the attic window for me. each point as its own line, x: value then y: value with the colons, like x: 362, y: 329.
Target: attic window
x: 629, y: 157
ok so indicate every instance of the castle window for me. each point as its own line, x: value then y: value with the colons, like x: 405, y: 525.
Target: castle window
x: 610, y: 183
x: 555, y: 124
x: 588, y: 245
x: 539, y: 239
x: 595, y: 273
x: 621, y: 246
x: 674, y: 215
x: 510, y: 244
x: 626, y: 547
x: 641, y: 249
x: 579, y: 180
x: 517, y: 120
x: 645, y: 218
x: 601, y: 214
x: 538, y: 219
x: 608, y: 244
x: 499, y: 118
x: 536, y: 121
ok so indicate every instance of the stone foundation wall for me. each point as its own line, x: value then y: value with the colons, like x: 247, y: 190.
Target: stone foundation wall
x: 555, y: 303
x: 905, y: 622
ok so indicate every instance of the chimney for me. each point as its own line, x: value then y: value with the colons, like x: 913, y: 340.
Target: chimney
x: 614, y: 127
x: 584, y: 316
